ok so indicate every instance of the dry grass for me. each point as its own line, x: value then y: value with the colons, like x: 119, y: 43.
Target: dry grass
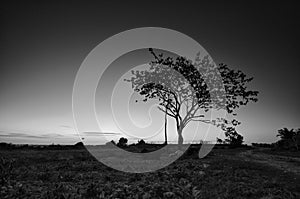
x: 76, y: 174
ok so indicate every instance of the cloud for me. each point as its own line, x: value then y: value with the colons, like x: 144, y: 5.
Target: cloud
x: 21, y: 135
x: 66, y: 126
x: 53, y: 135
x: 100, y: 133
x: 24, y: 134
x: 29, y: 135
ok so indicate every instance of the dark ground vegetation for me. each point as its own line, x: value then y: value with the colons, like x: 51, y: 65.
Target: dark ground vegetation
x: 224, y: 173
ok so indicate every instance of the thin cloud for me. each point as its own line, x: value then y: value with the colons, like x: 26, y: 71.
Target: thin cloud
x: 66, y: 126
x: 100, y: 133
x: 53, y: 135
x: 24, y: 134
x: 21, y: 135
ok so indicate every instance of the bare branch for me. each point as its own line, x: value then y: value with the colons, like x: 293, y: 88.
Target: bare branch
x: 159, y: 108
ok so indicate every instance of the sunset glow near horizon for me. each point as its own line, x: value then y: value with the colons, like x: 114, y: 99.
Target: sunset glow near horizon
x: 41, y: 56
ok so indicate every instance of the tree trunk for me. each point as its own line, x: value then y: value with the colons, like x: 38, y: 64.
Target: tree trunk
x: 166, y: 136
x: 180, y: 138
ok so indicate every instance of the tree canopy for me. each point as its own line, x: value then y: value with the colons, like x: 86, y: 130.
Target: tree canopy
x: 186, y: 90
x: 289, y: 139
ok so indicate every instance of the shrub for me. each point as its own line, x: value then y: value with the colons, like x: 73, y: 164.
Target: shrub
x: 122, y: 142
x: 141, y: 142
x: 233, y: 138
x: 289, y: 139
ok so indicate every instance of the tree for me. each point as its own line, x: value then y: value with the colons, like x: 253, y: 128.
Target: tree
x: 232, y: 137
x: 219, y: 141
x: 166, y: 124
x: 289, y: 138
x: 286, y: 134
x: 122, y: 142
x: 187, y: 90
x: 141, y: 142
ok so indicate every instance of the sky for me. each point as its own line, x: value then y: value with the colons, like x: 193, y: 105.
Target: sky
x: 44, y: 43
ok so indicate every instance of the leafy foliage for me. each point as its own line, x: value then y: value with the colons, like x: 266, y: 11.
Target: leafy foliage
x: 141, y: 142
x: 122, y: 142
x: 233, y: 138
x: 290, y: 139
x: 186, y: 90
x: 219, y: 141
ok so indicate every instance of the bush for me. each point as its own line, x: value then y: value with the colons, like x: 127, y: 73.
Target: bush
x: 233, y: 138
x: 141, y: 142
x: 289, y: 139
x: 122, y: 142
x: 79, y: 145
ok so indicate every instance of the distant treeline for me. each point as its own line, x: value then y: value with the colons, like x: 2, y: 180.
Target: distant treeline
x: 4, y: 145
x: 264, y: 145
x: 289, y: 140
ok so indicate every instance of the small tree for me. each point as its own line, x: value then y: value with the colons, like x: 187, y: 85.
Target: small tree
x: 122, y: 142
x: 182, y: 88
x: 141, y: 142
x: 219, y: 141
x: 232, y: 137
x: 289, y: 138
x: 286, y: 134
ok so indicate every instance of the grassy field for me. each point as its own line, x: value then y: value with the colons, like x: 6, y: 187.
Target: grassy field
x: 224, y: 173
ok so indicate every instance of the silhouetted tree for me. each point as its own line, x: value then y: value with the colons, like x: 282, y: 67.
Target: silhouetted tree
x: 219, y: 141
x: 289, y: 138
x: 182, y: 89
x: 286, y: 134
x: 141, y: 142
x: 122, y: 142
x: 232, y: 137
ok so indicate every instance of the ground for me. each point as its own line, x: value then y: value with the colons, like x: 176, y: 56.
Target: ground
x: 224, y: 173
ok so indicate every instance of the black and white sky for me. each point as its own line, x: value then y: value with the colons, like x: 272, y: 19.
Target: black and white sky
x: 43, y: 44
